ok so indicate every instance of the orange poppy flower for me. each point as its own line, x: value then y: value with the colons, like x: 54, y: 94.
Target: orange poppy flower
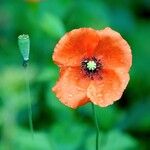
x: 94, y: 66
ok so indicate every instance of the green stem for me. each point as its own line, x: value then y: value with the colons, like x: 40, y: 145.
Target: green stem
x: 29, y: 102
x: 97, y: 127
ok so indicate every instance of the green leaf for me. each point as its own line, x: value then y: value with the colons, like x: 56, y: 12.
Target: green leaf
x: 137, y: 117
x: 22, y: 140
x: 113, y: 140
x: 107, y: 117
x: 67, y: 136
x: 52, y: 25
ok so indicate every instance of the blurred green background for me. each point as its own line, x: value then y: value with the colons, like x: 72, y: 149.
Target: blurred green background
x: 123, y: 126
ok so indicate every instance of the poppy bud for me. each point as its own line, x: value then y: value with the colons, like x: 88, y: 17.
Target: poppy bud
x: 24, y: 47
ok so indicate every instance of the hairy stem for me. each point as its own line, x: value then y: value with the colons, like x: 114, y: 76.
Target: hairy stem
x: 29, y: 102
x: 97, y: 127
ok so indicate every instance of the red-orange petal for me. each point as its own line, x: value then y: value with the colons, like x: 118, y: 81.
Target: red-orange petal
x: 74, y: 46
x: 109, y: 89
x: 71, y: 88
x: 113, y: 50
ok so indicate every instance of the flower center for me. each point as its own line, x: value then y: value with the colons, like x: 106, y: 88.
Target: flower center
x: 91, y: 67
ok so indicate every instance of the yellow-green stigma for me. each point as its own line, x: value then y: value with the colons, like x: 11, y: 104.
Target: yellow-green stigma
x: 91, y: 65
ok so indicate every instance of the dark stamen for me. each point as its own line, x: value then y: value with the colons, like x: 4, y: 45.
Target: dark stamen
x: 91, y: 67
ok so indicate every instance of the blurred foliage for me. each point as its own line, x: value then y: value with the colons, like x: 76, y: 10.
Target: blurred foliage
x: 124, y: 125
